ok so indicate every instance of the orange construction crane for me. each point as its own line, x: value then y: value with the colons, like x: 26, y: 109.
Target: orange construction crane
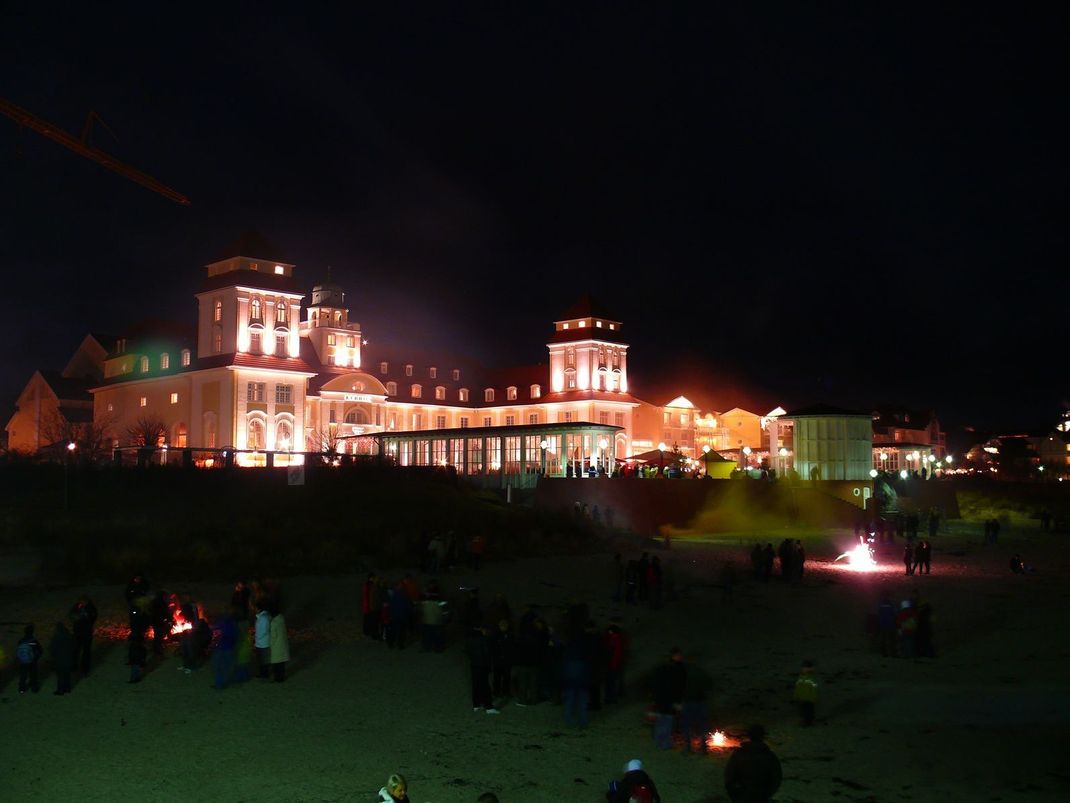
x: 82, y: 147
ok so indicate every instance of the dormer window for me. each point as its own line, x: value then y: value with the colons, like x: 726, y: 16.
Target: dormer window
x: 165, y: 361
x: 384, y: 368
x: 564, y: 326
x: 612, y: 326
x: 185, y: 358
x: 143, y: 364
x: 256, y: 309
x: 582, y: 324
x: 408, y: 370
x: 433, y: 372
x: 462, y: 394
x: 488, y: 395
x: 417, y: 391
x: 440, y: 393
x: 391, y: 388
x: 456, y: 374
x: 510, y: 393
x: 536, y: 391
x: 598, y: 324
x: 280, y: 270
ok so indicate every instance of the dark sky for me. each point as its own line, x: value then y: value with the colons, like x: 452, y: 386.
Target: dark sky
x: 794, y: 205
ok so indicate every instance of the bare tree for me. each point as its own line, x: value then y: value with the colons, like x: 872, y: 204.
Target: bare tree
x: 148, y: 431
x: 92, y: 439
x: 324, y: 440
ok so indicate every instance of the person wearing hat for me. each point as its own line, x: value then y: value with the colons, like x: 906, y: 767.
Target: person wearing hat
x: 752, y: 774
x: 395, y: 791
x: 636, y: 785
x: 907, y: 626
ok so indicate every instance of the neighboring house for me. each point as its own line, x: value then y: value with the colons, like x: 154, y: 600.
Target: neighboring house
x: 906, y: 439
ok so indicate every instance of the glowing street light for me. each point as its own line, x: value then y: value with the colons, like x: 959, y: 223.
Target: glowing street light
x: 883, y: 457
x: 662, y: 447
x: 705, y: 448
x: 783, y: 451
x: 904, y: 473
x: 873, y: 473
x: 72, y: 446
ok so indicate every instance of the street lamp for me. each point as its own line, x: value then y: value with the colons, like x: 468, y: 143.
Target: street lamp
x: 873, y: 473
x: 705, y: 448
x: 603, y: 445
x: 661, y: 459
x: 71, y: 446
x: 904, y: 473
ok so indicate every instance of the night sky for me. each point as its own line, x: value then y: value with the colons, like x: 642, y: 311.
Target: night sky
x: 785, y: 206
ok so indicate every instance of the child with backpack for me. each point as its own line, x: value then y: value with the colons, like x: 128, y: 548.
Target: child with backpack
x: 27, y: 654
x: 806, y: 693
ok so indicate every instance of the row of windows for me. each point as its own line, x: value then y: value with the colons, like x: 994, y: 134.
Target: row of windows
x: 165, y: 361
x: 256, y: 343
x: 257, y: 391
x: 144, y: 402
x: 564, y: 416
x: 432, y: 372
x: 583, y: 325
x: 332, y: 340
x: 417, y: 391
x: 256, y: 310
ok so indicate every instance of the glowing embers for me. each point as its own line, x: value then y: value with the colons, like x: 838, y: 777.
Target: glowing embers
x: 861, y: 557
x: 720, y: 740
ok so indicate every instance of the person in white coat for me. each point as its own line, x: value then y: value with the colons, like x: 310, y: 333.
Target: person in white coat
x: 262, y: 641
x: 280, y: 647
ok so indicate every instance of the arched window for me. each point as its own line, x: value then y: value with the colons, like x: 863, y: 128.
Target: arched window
x: 281, y: 317
x: 462, y: 394
x: 284, y: 436
x: 178, y: 436
x: 417, y: 391
x: 488, y: 395
x: 144, y: 365
x: 536, y: 391
x: 255, y: 437
x: 165, y: 361
x: 185, y: 358
x: 510, y: 393
x: 356, y: 416
x: 217, y: 310
x: 255, y: 309
x: 209, y: 430
x: 217, y: 339
x: 440, y: 393
x: 391, y: 388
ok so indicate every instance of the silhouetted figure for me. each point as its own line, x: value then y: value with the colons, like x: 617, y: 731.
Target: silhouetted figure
x: 83, y: 618
x: 61, y: 648
x: 752, y: 774
x: 908, y: 558
x: 923, y: 557
x: 670, y: 680
x: 1016, y: 564
x: 479, y: 658
x: 27, y: 654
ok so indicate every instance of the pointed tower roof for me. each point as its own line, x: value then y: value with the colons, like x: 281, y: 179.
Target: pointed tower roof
x: 588, y: 307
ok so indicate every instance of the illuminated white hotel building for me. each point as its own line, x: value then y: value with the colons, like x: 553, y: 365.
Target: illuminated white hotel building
x: 259, y: 375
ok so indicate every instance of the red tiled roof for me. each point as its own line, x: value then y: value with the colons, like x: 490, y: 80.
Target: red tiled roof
x: 587, y: 307
x: 250, y: 278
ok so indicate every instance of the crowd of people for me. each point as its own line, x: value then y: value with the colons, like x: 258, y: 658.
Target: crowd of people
x: 790, y: 554
x: 904, y: 630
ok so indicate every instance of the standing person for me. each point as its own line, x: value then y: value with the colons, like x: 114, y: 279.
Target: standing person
x: 501, y: 659
x: 886, y: 625
x: 616, y: 647
x: 923, y: 557
x: 400, y: 616
x: 528, y: 658
x: 84, y: 618
x: 799, y: 560
x: 669, y: 682
x: 636, y: 785
x: 806, y: 693
x: 27, y: 654
x: 476, y: 548
x: 995, y: 531
x: 908, y: 557
x: 223, y: 654
x: 907, y: 625
x: 752, y: 774
x: 576, y: 678
x: 262, y: 640
x: 784, y: 552
x: 280, y: 647
x: 137, y: 653
x: 472, y: 616
x: 694, y: 711
x: 644, y: 577
x: 432, y: 639
x: 923, y: 635
x: 478, y: 648
x: 395, y: 791
x: 497, y: 611
x: 631, y: 582
x: 768, y: 557
x: 370, y: 604
x: 243, y: 648
x: 62, y: 650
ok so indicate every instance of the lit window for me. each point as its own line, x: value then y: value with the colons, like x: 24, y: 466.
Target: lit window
x: 570, y: 357
x: 174, y: 398
x: 603, y: 417
x: 217, y: 310
x: 440, y: 422
x: 144, y: 364
x: 568, y: 415
x: 417, y: 421
x: 456, y: 374
x: 598, y: 324
x: 582, y: 324
x: 255, y: 438
x: 280, y: 345
x: 488, y: 395
x: 434, y: 372
x: 440, y: 393
x: 284, y: 394
x: 254, y: 343
x: 487, y: 421
x: 565, y: 326
x: 571, y: 380
x: 533, y: 418
x: 254, y: 391
x: 185, y: 357
x: 391, y: 388
x: 217, y: 339
x: 165, y: 361
x: 510, y: 393
x: 462, y: 394
x: 384, y: 368
x: 255, y: 309
x: 510, y: 420
x: 254, y: 266
x: 417, y: 391
x: 408, y: 370
x: 111, y: 407
x: 280, y: 312
x: 144, y: 402
x: 618, y: 419
x: 330, y: 339
x: 280, y: 270
x: 349, y: 341
x: 464, y: 422
x: 536, y: 391
x: 611, y: 326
